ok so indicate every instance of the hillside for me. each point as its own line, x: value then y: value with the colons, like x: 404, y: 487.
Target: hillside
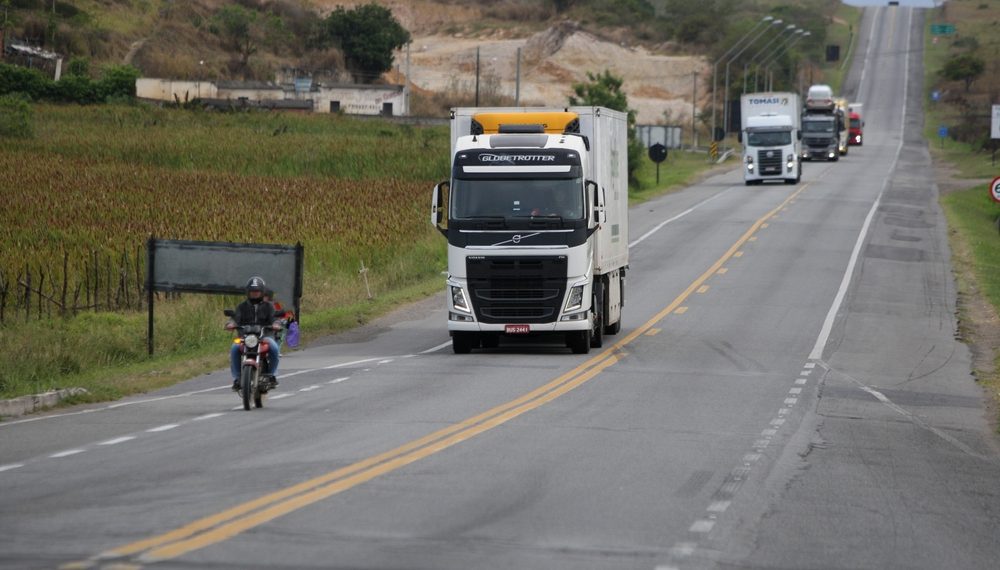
x: 657, y: 48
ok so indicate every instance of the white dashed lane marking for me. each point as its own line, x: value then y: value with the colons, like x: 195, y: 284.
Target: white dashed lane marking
x: 162, y: 428
x: 118, y: 440
x: 11, y: 466
x: 66, y: 453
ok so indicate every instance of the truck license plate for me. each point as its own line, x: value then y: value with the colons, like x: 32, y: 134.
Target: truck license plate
x: 517, y: 329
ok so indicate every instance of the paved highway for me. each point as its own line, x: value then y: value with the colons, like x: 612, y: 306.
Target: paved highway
x: 786, y: 392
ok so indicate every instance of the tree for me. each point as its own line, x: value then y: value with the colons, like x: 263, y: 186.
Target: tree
x: 367, y: 35
x: 244, y: 30
x: 605, y: 90
x: 964, y: 67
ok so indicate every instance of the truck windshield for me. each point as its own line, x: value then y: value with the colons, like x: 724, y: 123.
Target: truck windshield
x: 818, y: 127
x: 511, y: 198
x: 769, y: 138
x: 855, y: 123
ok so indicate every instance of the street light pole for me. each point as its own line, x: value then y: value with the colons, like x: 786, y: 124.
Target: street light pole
x: 788, y: 48
x: 781, y: 50
x: 715, y: 66
x: 725, y: 102
x: 763, y: 49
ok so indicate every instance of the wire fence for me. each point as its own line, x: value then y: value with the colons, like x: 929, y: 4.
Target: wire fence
x: 95, y: 281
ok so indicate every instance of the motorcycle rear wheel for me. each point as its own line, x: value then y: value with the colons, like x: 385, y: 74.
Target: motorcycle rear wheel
x: 246, y: 385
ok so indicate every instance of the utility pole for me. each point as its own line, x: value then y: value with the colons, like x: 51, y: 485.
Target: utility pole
x: 517, y: 81
x: 477, y: 76
x: 406, y: 82
x: 694, y: 109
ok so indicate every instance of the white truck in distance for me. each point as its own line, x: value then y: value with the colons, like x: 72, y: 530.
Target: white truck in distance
x: 536, y: 217
x: 770, y: 130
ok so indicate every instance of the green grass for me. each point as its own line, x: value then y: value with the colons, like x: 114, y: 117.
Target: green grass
x: 843, y: 33
x: 974, y: 215
x: 680, y: 169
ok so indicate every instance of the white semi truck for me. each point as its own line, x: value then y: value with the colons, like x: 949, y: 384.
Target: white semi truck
x: 536, y: 217
x: 771, y: 130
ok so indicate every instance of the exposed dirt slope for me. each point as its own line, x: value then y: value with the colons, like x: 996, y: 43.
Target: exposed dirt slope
x: 553, y: 58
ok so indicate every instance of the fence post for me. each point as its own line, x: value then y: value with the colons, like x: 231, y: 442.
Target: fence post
x: 27, y: 293
x: 150, y: 264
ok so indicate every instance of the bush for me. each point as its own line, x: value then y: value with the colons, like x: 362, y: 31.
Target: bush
x: 118, y: 81
x: 15, y: 116
x: 31, y: 82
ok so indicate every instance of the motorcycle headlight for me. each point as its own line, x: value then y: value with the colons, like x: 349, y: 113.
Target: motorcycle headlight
x: 458, y: 299
x: 251, y: 341
x: 575, y: 298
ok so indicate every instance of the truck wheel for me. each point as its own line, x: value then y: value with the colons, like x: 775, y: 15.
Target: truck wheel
x: 464, y: 342
x: 597, y: 336
x: 578, y: 341
x: 614, y: 328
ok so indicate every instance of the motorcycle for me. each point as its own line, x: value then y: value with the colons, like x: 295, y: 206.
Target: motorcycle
x: 254, y: 380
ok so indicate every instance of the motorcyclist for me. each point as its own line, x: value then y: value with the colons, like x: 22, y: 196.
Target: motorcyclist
x: 255, y: 311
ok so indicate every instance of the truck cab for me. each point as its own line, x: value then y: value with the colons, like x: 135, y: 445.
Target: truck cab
x: 770, y: 149
x: 856, y: 136
x: 535, y: 214
x: 820, y: 137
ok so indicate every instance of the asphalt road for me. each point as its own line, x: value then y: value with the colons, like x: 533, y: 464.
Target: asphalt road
x: 786, y: 392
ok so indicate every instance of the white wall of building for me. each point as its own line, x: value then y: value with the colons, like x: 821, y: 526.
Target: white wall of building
x: 348, y: 99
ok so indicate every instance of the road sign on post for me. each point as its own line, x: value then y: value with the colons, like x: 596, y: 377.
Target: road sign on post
x: 942, y: 132
x: 995, y: 189
x: 942, y: 29
x: 657, y: 153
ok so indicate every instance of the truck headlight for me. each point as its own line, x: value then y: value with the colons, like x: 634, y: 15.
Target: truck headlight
x: 790, y: 162
x: 575, y: 298
x: 749, y: 162
x: 458, y: 299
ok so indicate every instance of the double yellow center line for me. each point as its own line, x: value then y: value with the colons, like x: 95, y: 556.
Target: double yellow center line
x: 231, y: 522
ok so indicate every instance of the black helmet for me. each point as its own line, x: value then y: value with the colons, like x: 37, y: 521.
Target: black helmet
x: 255, y: 284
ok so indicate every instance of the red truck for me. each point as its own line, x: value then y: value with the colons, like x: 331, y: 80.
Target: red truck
x: 856, y: 126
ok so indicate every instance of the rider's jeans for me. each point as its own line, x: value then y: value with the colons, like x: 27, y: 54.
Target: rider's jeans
x: 272, y: 355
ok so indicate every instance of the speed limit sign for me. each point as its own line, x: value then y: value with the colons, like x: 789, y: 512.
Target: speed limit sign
x: 995, y: 189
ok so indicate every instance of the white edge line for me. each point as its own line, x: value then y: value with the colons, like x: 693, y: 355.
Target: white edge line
x: 675, y: 218
x: 436, y: 348
x: 362, y: 361
x: 11, y: 466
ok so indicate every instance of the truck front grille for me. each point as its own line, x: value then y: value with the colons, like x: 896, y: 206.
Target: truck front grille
x: 516, y: 289
x: 769, y: 161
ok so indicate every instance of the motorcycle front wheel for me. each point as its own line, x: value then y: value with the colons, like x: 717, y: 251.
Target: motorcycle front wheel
x: 246, y: 385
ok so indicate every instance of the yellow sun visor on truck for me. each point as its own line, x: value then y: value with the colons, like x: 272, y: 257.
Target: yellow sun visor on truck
x: 555, y: 122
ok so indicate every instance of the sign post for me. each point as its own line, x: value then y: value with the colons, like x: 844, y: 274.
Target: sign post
x: 995, y: 195
x: 995, y: 131
x: 657, y: 153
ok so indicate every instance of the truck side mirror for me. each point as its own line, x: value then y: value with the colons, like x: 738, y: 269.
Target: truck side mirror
x: 739, y: 136
x: 600, y: 214
x: 798, y: 135
x: 439, y: 205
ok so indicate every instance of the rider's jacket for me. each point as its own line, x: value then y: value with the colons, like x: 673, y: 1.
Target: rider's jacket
x: 261, y: 314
